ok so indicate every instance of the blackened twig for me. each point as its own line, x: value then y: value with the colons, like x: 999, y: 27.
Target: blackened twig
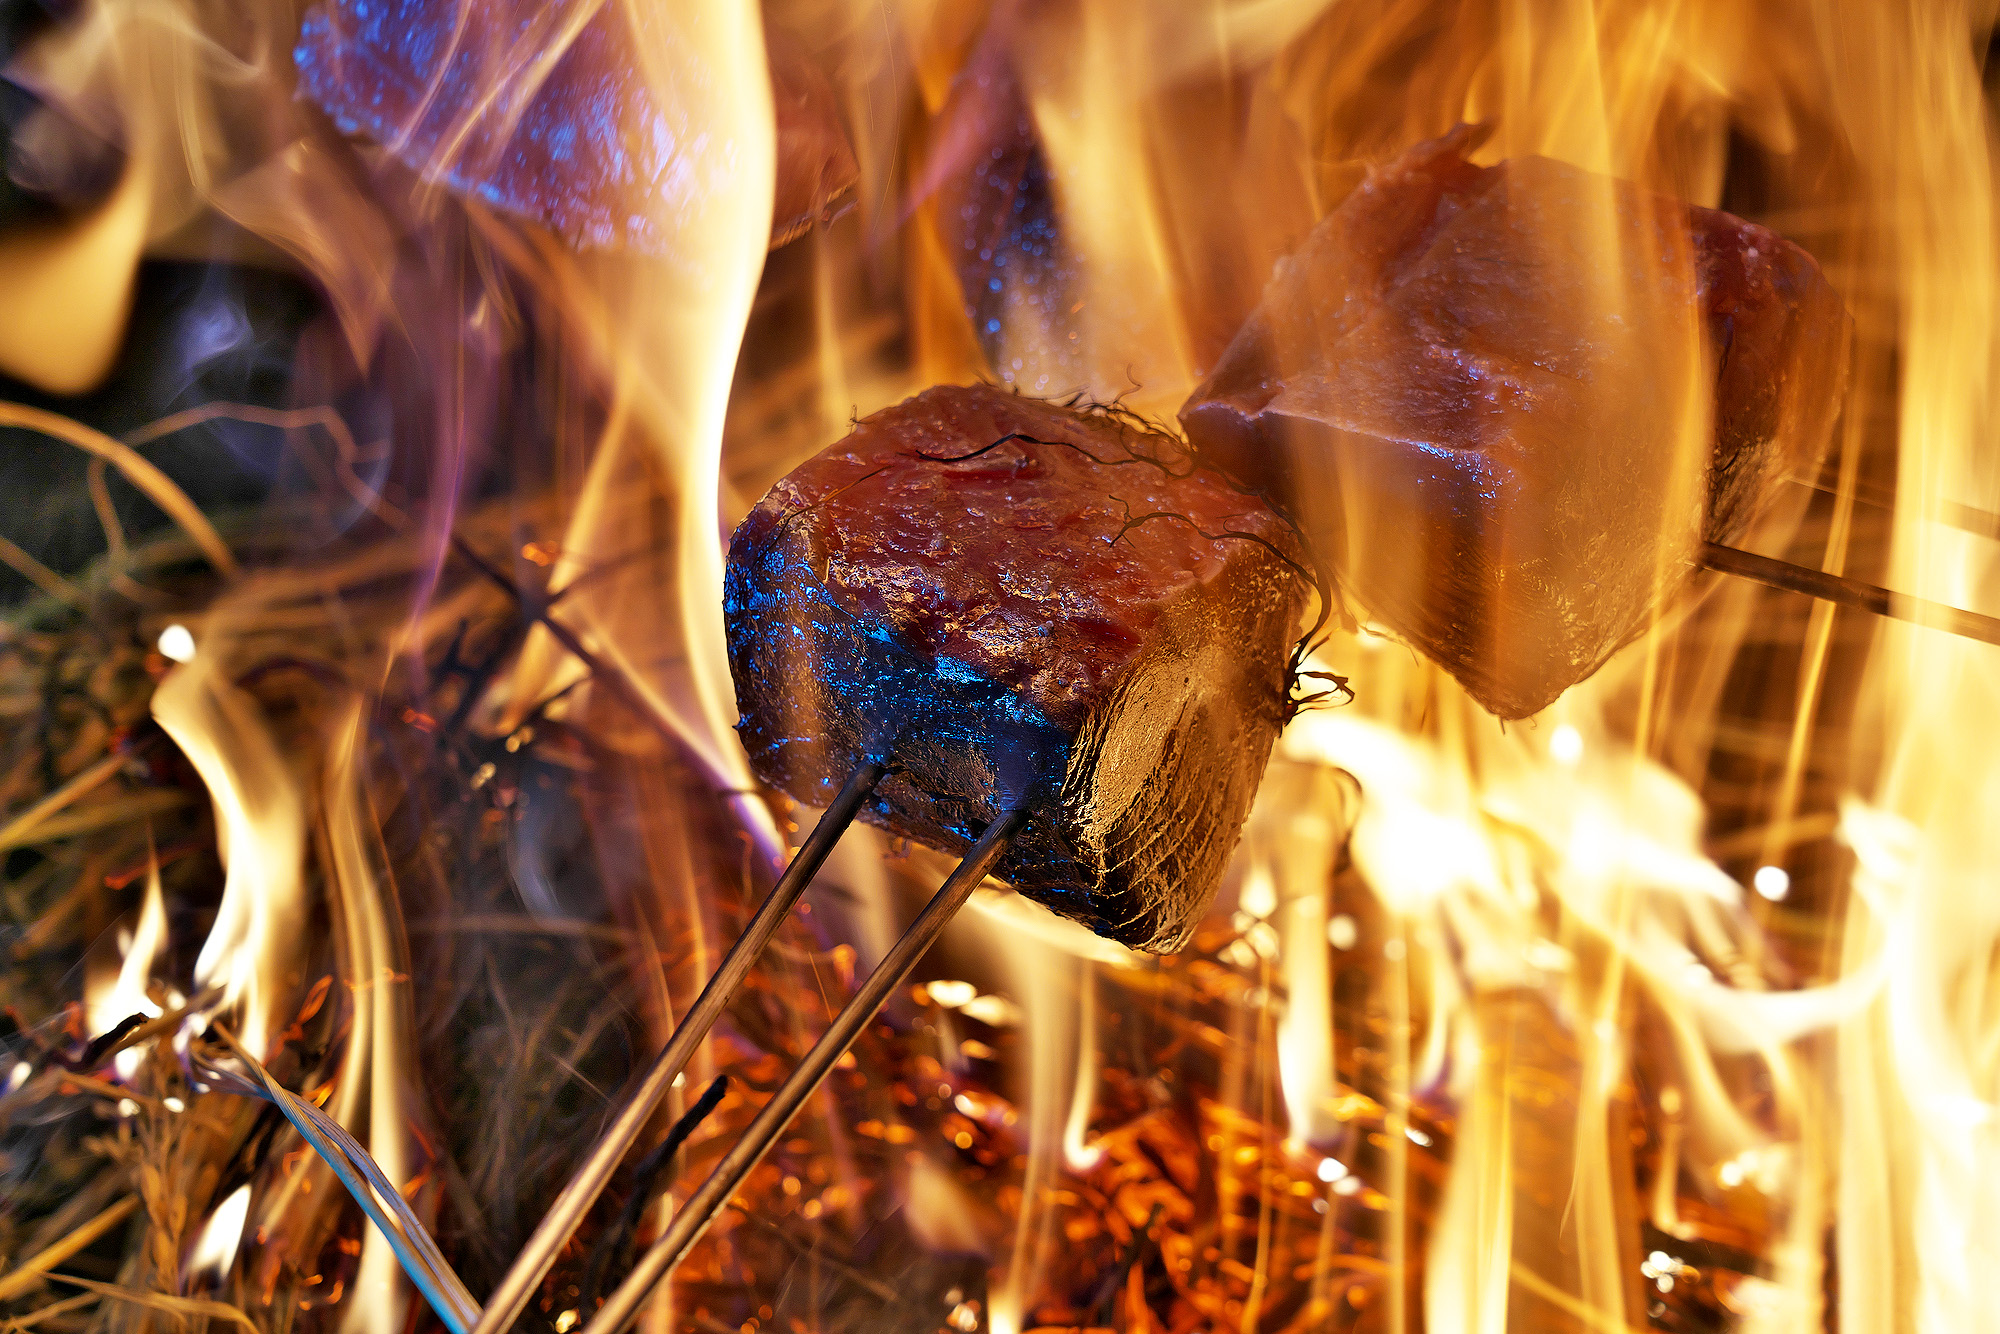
x: 102, y: 1044
x: 649, y: 1179
x: 1103, y: 1301
x: 535, y: 607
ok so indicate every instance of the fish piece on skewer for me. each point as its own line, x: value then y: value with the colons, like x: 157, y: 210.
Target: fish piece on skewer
x: 1012, y: 603
x: 1509, y: 402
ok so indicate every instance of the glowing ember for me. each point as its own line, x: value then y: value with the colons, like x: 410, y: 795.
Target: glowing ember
x: 177, y: 643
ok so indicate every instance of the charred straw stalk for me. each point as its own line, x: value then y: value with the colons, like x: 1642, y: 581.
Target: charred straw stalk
x: 138, y: 469
x: 652, y: 1176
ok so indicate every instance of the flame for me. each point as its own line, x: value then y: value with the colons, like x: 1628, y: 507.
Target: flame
x: 1301, y: 857
x: 139, y: 949
x: 1054, y: 987
x: 1079, y: 1155
x: 215, y: 1248
x: 1557, y: 878
x: 253, y: 946
x: 1554, y: 906
x: 1918, y: 1082
x: 378, y: 1052
x: 667, y: 335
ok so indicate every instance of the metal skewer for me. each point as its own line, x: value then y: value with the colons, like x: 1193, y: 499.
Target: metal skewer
x: 1792, y: 578
x: 700, y: 1210
x: 555, y: 1230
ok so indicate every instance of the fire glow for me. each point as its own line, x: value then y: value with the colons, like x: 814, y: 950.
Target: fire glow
x: 414, y: 782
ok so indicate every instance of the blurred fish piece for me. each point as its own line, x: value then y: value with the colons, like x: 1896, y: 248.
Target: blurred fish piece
x: 1509, y: 401
x: 544, y: 111
x: 986, y: 171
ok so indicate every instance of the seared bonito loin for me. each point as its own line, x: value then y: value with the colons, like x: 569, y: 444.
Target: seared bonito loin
x: 1014, y: 603
x: 1507, y: 403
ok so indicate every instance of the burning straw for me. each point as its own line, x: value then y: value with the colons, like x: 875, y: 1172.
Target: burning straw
x: 1662, y: 1011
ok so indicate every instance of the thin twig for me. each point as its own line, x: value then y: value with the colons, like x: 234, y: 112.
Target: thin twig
x: 40, y: 575
x: 90, y: 819
x: 287, y: 419
x: 13, y: 831
x: 154, y: 1027
x: 101, y: 1045
x: 57, y: 1076
x: 33, y: 1318
x: 161, y: 1301
x: 614, y: 679
x: 653, y: 1174
x: 140, y: 471
x: 107, y: 512
x: 36, y: 1267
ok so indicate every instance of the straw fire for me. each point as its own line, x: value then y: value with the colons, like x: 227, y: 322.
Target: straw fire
x: 1033, y: 665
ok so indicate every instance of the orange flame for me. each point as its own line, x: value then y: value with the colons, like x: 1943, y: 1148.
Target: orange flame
x: 1551, y: 886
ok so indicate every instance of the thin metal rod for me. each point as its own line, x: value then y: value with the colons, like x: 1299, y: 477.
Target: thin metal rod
x: 701, y: 1208
x: 1849, y: 592
x: 532, y: 1264
x: 1967, y: 517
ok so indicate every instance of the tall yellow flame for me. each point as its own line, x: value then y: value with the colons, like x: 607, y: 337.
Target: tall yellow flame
x: 1551, y: 883
x: 1919, y: 1083
x: 261, y: 829
x: 666, y: 333
x: 1551, y: 887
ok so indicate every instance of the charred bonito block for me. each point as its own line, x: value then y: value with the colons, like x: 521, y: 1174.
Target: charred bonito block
x: 1008, y: 601
x: 1508, y: 402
